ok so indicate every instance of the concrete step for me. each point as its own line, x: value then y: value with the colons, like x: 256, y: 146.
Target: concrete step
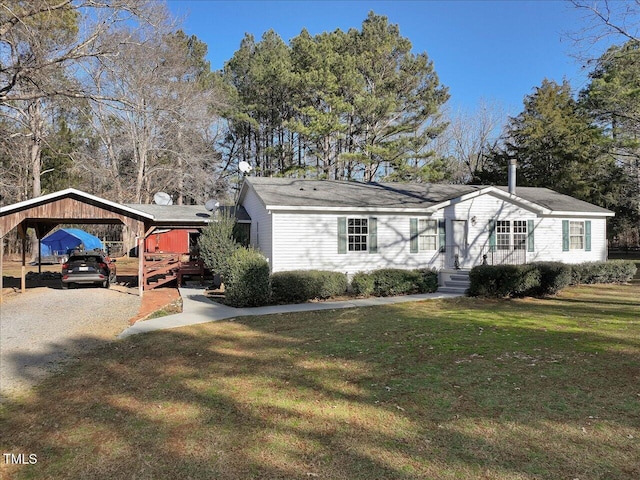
x: 457, y: 284
x: 454, y: 281
x: 459, y: 291
x: 459, y: 278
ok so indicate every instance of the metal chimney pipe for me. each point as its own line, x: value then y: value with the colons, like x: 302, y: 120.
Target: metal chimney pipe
x: 512, y: 176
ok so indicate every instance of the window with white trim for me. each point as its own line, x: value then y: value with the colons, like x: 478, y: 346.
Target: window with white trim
x: 511, y: 235
x: 357, y: 234
x: 519, y: 234
x: 428, y: 236
x: 576, y: 235
x: 503, y: 234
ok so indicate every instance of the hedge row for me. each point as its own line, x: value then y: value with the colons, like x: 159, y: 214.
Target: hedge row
x: 249, y: 283
x: 544, y: 278
x: 613, y: 271
x: 301, y: 285
x: 393, y: 281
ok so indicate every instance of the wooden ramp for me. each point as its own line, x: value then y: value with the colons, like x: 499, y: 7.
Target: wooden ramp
x: 162, y: 268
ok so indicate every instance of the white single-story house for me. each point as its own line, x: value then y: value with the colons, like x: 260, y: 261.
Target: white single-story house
x: 349, y: 227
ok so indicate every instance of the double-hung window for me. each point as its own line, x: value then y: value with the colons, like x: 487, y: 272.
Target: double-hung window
x: 519, y: 234
x: 428, y: 236
x: 511, y: 235
x: 503, y: 234
x: 576, y: 235
x: 357, y: 234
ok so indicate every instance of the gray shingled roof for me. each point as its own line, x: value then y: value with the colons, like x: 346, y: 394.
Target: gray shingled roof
x: 288, y: 192
x: 556, y: 202
x: 329, y: 193
x: 185, y: 213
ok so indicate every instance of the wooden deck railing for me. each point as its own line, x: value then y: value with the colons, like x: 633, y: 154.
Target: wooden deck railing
x: 162, y: 268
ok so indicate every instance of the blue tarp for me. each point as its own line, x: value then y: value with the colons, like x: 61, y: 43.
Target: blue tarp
x: 65, y: 239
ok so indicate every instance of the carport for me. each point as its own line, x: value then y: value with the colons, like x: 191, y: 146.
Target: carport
x: 44, y: 213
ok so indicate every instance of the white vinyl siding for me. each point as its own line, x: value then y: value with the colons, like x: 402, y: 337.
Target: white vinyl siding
x: 261, y: 224
x: 305, y: 240
x: 309, y: 241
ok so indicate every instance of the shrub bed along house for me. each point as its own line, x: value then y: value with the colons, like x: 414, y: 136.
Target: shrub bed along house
x: 544, y: 278
x: 503, y: 280
x: 554, y: 276
x: 393, y: 281
x: 302, y: 285
x: 248, y: 282
x: 614, y: 271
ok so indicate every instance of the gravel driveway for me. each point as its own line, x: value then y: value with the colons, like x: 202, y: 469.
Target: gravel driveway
x: 44, y: 327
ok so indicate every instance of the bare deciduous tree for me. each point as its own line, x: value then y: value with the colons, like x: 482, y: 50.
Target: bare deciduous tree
x: 468, y: 139
x: 605, y: 23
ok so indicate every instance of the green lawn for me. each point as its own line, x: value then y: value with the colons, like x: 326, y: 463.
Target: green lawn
x: 455, y: 389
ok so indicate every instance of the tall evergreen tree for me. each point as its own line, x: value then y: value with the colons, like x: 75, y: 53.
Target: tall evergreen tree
x: 397, y: 108
x: 554, y: 142
x: 558, y: 145
x: 613, y: 97
x: 356, y: 104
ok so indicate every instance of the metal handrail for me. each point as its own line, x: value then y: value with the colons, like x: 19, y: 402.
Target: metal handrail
x: 454, y: 256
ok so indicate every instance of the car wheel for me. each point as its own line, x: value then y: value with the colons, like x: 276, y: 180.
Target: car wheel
x: 65, y: 286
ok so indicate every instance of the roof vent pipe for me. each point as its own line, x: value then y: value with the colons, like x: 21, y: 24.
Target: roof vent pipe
x: 512, y: 176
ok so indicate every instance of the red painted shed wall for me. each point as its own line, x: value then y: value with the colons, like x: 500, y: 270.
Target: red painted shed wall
x: 173, y: 241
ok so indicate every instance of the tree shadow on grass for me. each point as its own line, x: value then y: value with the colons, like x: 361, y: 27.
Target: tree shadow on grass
x: 386, y: 392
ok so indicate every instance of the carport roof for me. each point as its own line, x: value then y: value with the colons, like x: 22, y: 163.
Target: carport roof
x: 73, y: 193
x: 163, y: 214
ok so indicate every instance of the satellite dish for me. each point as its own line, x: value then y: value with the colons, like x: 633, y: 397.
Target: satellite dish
x: 245, y: 167
x: 162, y: 198
x: 212, y: 205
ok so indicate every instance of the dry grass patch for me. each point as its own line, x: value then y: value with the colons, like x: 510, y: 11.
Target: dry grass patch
x: 465, y: 388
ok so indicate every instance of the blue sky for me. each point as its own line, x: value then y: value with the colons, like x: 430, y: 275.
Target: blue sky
x: 496, y: 51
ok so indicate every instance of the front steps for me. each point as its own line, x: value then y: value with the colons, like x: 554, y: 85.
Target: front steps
x: 453, y: 281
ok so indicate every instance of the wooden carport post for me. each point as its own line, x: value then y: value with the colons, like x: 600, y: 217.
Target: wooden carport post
x: 141, y: 276
x: 23, y: 274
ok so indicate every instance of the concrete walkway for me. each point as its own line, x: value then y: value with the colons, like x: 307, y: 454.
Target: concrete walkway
x: 197, y: 308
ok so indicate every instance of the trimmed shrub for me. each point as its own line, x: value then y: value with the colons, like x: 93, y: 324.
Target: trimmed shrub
x: 429, y: 280
x: 301, y: 285
x: 394, y: 281
x: 362, y: 284
x: 544, y: 278
x: 483, y: 281
x: 247, y: 284
x: 503, y: 280
x: 554, y: 276
x: 625, y: 270
x: 614, y: 271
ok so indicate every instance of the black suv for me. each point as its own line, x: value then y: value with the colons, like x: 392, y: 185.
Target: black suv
x: 88, y: 267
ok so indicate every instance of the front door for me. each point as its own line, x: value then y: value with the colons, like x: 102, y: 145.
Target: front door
x: 459, y: 243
